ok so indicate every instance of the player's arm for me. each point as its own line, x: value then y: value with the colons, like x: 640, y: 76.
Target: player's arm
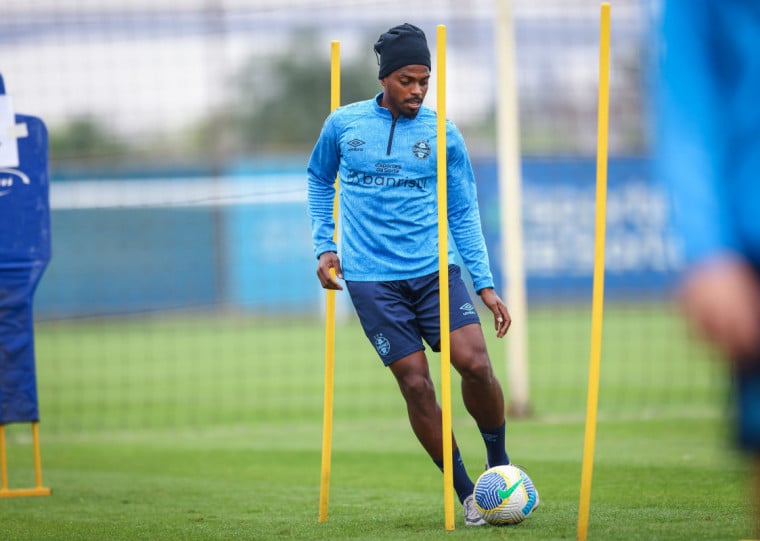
x: 466, y: 229
x: 463, y: 212
x: 720, y: 293
x: 321, y: 173
x: 692, y: 146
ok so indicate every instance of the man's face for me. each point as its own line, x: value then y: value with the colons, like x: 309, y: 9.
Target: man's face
x: 404, y: 90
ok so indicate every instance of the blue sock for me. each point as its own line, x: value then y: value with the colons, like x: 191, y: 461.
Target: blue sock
x: 496, y: 451
x: 463, y: 485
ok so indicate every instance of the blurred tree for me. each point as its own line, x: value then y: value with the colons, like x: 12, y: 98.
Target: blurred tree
x: 85, y: 139
x: 281, y: 104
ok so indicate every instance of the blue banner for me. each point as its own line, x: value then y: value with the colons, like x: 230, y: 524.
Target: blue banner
x: 642, y: 253
x: 24, y: 255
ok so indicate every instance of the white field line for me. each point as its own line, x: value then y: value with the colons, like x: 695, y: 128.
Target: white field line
x: 180, y: 192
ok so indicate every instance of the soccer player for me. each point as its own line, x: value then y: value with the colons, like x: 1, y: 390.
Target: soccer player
x: 709, y: 158
x: 385, y: 152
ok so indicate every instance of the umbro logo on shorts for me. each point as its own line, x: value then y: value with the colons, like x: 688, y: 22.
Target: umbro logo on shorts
x: 467, y: 309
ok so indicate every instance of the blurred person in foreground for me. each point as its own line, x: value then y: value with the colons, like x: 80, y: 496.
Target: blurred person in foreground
x: 709, y: 156
x: 385, y: 151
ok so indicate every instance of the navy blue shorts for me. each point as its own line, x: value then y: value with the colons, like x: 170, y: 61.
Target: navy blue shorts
x: 398, y: 315
x: 747, y: 414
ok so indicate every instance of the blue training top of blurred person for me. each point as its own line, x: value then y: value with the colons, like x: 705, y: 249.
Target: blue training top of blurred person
x: 709, y: 135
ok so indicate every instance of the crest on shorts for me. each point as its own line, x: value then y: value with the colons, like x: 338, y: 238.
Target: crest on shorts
x: 382, y: 345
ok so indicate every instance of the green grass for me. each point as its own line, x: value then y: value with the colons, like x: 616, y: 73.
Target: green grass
x: 210, y: 428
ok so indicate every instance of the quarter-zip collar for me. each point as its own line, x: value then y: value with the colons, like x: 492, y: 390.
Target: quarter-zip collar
x: 386, y: 113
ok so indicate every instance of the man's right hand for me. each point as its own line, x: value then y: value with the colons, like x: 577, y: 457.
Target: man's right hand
x: 328, y: 270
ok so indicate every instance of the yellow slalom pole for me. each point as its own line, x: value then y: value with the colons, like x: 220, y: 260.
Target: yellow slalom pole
x: 39, y: 489
x: 37, y: 454
x: 443, y: 282
x: 3, y: 462
x: 327, y: 417
x: 598, y: 288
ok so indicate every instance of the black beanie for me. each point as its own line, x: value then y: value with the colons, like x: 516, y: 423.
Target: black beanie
x: 402, y: 45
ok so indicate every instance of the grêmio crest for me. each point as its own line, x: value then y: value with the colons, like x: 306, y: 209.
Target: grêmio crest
x: 421, y: 150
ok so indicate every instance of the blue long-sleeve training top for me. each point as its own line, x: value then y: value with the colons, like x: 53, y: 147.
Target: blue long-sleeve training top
x: 708, y: 123
x: 388, y: 195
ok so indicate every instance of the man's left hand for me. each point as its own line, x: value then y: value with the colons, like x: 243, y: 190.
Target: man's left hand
x: 501, y: 318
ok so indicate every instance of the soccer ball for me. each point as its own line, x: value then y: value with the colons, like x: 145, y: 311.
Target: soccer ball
x: 505, y: 495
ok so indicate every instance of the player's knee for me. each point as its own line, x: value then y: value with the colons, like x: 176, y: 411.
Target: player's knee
x: 417, y: 387
x: 477, y: 369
